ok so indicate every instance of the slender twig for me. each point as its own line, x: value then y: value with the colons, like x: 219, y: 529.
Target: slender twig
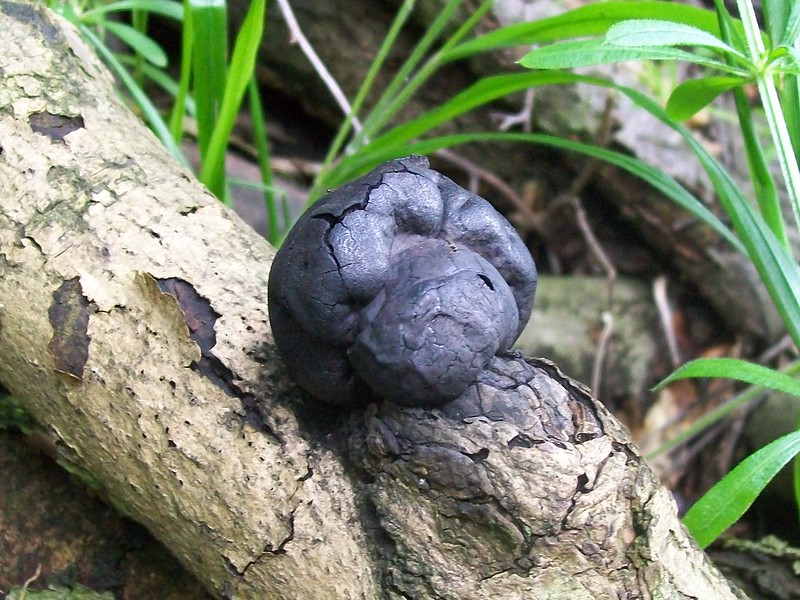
x: 602, y: 136
x: 665, y: 314
x: 782, y: 345
x: 602, y: 347
x: 29, y: 581
x: 592, y: 241
x: 523, y: 117
x: 493, y: 180
x: 299, y: 37
x: 580, y: 183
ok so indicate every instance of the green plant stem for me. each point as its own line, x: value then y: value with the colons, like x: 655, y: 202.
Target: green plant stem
x: 179, y: 107
x: 772, y: 108
x: 262, y: 146
x: 139, y: 20
x: 780, y: 135
x: 209, y: 53
x: 763, y: 183
x: 241, y: 72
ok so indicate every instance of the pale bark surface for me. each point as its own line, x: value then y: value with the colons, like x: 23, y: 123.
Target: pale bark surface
x: 134, y: 327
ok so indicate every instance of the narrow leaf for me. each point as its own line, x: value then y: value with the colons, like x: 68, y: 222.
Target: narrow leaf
x: 167, y: 8
x: 728, y: 500
x: 648, y: 33
x: 792, y: 31
x: 261, y: 140
x: 691, y: 96
x: 481, y: 92
x: 775, y: 16
x: 181, y: 103
x: 140, y: 43
x: 774, y: 263
x: 740, y: 370
x: 242, y: 68
x: 359, y: 164
x: 702, y: 424
x: 162, y: 79
x: 209, y: 53
x: 587, y: 53
x: 590, y: 20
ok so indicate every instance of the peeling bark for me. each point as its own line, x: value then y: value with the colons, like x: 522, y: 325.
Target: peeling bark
x: 184, y: 416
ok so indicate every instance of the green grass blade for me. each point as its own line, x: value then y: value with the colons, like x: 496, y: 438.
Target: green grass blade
x: 210, y: 50
x: 662, y: 182
x: 796, y: 473
x: 730, y: 30
x: 263, y: 153
x: 167, y: 8
x: 481, y: 92
x: 760, y: 175
x: 180, y: 105
x: 139, y: 19
x: 241, y: 71
x: 790, y: 100
x: 139, y: 43
x: 719, y: 413
x: 381, y: 110
x: 150, y: 112
x: 162, y: 79
x: 591, y: 20
x: 739, y: 370
x: 728, y: 500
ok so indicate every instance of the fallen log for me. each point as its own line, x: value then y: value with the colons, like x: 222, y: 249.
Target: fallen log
x: 133, y: 326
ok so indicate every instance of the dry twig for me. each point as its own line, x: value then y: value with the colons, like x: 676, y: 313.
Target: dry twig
x: 299, y: 37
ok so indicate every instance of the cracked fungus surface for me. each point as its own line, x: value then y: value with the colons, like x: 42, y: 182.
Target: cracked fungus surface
x: 399, y: 285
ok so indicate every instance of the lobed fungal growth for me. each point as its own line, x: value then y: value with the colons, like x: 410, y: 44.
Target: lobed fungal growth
x: 400, y: 285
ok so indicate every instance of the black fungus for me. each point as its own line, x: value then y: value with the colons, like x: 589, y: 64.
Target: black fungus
x: 399, y: 285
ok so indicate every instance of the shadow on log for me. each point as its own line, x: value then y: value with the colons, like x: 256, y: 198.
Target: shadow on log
x: 134, y: 328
